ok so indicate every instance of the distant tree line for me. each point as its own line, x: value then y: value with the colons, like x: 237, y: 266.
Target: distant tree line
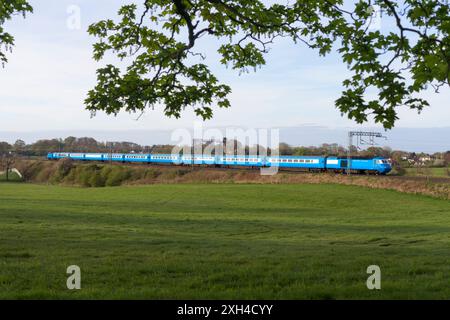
x: 86, y: 144
x: 73, y: 144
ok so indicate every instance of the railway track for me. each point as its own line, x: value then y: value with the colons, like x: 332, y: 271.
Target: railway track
x: 425, y: 179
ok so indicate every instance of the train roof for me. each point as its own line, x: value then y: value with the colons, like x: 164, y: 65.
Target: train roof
x: 359, y: 158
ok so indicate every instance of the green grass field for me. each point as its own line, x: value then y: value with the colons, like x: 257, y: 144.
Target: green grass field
x: 222, y: 241
x: 432, y: 172
x: 13, y: 177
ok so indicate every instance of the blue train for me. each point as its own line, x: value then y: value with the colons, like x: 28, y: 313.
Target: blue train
x: 308, y: 163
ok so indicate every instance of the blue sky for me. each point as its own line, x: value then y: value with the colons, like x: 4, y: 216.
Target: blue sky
x: 50, y: 71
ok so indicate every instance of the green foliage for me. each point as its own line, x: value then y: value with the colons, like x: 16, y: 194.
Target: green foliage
x: 117, y: 175
x: 158, y: 39
x: 182, y: 172
x: 86, y: 173
x: 96, y: 180
x: 97, y: 176
x: 8, y: 9
x: 152, y: 173
x: 12, y: 177
x: 398, y: 171
x: 64, y: 168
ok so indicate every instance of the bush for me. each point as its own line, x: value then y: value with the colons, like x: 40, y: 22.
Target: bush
x: 152, y: 173
x: 29, y: 171
x: 82, y: 175
x: 398, y: 171
x: 96, y: 180
x: 64, y: 167
x: 439, y: 163
x: 181, y: 172
x: 117, y: 176
x: 105, y: 172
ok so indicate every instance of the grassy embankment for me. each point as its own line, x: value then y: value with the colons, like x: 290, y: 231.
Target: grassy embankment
x: 100, y: 175
x: 222, y: 241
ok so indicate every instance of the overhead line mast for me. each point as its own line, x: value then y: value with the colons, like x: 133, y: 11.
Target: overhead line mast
x: 360, y: 134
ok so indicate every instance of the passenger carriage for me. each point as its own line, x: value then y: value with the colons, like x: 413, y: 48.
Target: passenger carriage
x: 164, y: 158
x: 235, y: 160
x: 307, y: 163
x: 198, y: 159
x: 145, y: 158
x: 376, y: 165
x: 93, y: 156
x: 113, y: 157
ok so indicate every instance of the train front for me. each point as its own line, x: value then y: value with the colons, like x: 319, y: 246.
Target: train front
x: 382, y: 165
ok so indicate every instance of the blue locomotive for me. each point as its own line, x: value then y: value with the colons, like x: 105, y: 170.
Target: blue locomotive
x: 375, y: 165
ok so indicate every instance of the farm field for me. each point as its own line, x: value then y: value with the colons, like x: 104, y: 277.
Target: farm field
x: 433, y: 172
x: 207, y: 241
